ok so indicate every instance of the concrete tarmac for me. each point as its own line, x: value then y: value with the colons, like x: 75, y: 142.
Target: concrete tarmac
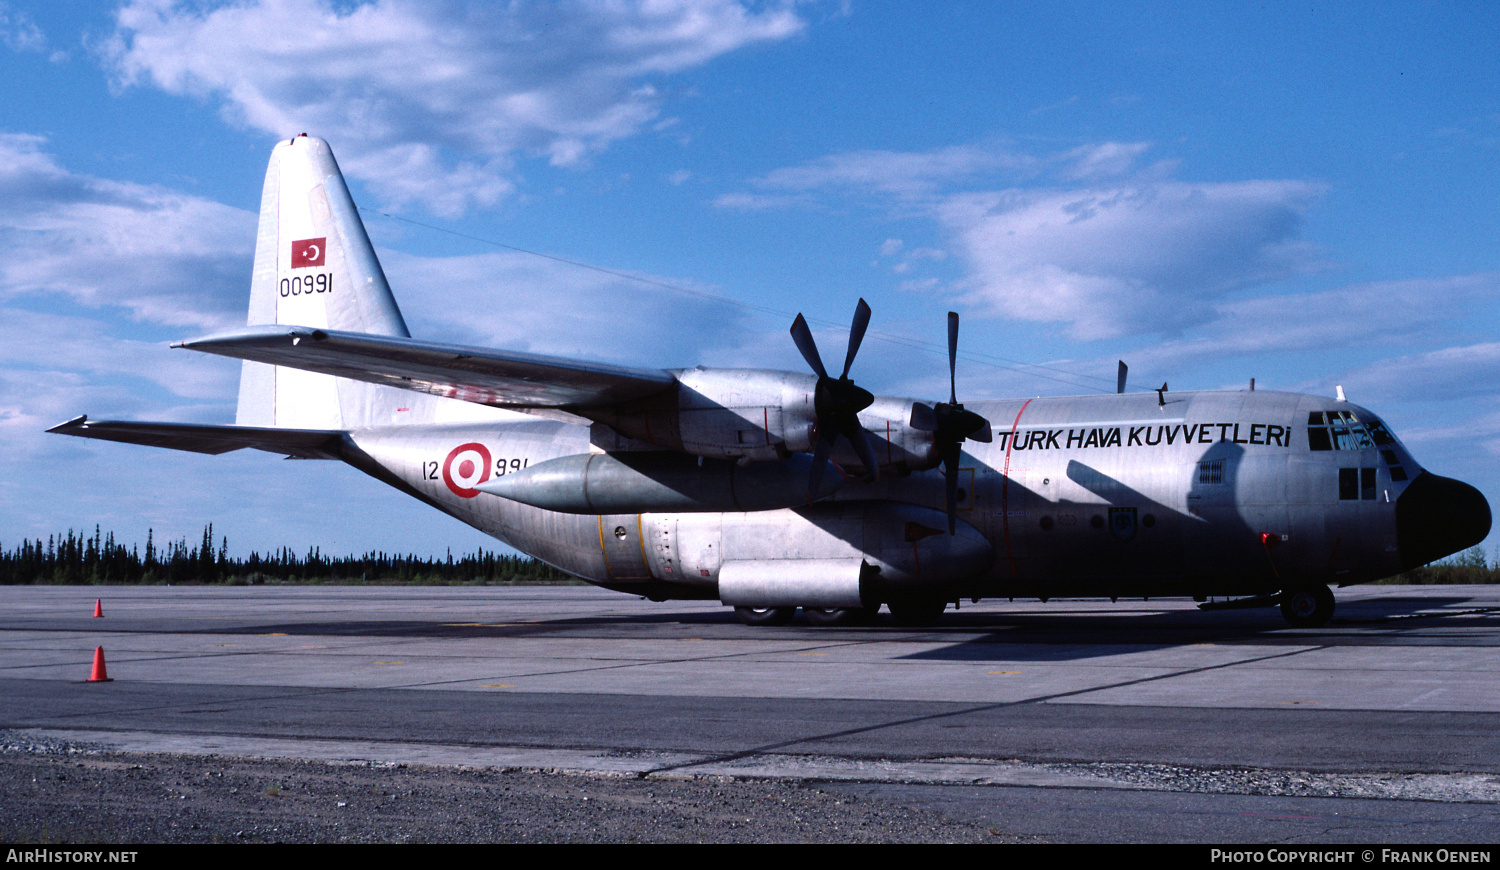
x: 1070, y: 720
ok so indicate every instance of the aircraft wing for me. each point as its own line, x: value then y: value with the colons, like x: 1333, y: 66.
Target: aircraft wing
x: 199, y: 438
x: 502, y: 379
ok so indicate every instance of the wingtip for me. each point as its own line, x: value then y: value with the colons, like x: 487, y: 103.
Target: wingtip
x: 78, y: 422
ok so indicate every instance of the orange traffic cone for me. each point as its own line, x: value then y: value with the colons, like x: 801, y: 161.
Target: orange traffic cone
x: 98, y: 608
x: 99, y: 676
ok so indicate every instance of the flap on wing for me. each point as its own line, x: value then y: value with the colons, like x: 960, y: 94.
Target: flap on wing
x: 488, y: 377
x: 296, y: 443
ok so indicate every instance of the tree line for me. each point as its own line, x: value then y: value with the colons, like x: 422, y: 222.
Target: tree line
x: 80, y: 558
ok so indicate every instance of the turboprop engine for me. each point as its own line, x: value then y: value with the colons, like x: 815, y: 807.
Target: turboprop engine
x: 761, y: 415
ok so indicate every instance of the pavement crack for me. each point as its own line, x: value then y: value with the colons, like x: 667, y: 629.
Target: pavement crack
x: 728, y: 758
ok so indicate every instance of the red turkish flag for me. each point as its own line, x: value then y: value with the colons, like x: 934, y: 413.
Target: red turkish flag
x: 308, y: 252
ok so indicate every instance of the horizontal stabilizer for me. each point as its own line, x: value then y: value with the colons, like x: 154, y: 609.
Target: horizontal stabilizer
x: 500, y: 379
x: 295, y: 443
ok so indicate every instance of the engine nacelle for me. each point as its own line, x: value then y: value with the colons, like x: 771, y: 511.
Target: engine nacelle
x: 757, y: 414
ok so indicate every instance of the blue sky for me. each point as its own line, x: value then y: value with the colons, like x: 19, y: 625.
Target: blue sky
x: 1211, y: 192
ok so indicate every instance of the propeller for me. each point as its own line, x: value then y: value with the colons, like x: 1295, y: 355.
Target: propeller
x: 951, y: 425
x: 837, y: 402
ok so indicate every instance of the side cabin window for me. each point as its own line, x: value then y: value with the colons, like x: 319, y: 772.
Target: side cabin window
x: 1356, y: 484
x: 1398, y: 473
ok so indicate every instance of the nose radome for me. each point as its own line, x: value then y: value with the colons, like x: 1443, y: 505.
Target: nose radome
x: 1437, y: 517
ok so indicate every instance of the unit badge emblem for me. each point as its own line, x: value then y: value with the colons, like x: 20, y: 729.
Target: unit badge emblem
x: 1122, y: 523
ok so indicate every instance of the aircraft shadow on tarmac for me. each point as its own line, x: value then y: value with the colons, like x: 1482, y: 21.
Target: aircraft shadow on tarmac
x: 1075, y: 635
x: 1057, y: 631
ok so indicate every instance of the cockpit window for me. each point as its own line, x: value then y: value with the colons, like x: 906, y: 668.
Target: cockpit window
x: 1342, y: 430
x: 1380, y: 434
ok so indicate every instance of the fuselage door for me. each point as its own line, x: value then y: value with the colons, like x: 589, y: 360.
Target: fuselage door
x: 624, y: 550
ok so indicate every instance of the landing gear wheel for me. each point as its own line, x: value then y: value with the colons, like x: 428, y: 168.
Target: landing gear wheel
x: 917, y: 611
x: 839, y: 616
x: 1307, y: 606
x: 765, y: 615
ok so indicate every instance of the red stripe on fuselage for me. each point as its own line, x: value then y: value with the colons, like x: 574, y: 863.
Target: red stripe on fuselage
x: 1005, y: 492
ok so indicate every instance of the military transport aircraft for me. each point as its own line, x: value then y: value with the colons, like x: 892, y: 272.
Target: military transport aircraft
x: 773, y: 490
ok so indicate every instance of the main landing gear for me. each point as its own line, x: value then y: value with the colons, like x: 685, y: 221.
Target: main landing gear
x: 818, y: 616
x: 840, y: 616
x: 1307, y: 606
x: 765, y: 615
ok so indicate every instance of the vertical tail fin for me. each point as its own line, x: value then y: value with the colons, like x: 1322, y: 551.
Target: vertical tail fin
x: 314, y: 266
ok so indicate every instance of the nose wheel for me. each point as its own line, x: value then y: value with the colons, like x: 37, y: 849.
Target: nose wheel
x: 1307, y: 606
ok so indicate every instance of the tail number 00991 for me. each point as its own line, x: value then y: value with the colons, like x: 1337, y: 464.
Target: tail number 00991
x: 306, y: 285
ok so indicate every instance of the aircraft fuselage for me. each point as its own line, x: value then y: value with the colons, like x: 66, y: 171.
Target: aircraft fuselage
x: 1203, y: 494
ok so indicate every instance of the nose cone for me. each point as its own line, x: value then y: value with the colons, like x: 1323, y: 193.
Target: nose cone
x: 1438, y: 516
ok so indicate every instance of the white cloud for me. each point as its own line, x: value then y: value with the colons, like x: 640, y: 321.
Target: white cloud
x: 923, y: 175
x: 901, y: 173
x: 45, y: 342
x: 1126, y: 259
x: 18, y: 32
x: 523, y: 302
x: 760, y: 201
x: 164, y: 257
x: 1379, y: 314
x: 1086, y: 236
x: 1444, y: 375
x: 433, y: 103
x: 1106, y: 159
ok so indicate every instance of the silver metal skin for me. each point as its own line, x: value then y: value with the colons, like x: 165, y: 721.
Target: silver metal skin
x: 694, y: 483
x: 598, y: 483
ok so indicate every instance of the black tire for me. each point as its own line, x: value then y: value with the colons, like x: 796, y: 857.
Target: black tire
x: 1307, y: 606
x: 765, y: 615
x: 917, y: 611
x: 839, y: 616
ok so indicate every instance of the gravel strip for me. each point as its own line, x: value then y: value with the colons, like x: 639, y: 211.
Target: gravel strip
x: 76, y: 794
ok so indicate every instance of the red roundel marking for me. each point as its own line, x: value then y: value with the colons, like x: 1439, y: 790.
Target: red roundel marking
x: 473, y: 469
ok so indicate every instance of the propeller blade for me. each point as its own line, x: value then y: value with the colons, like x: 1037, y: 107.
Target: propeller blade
x: 953, y: 357
x: 820, y: 459
x: 923, y: 417
x: 950, y: 468
x: 1120, y: 379
x: 837, y: 403
x: 975, y: 427
x: 804, y: 340
x: 856, y: 333
x: 861, y: 441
